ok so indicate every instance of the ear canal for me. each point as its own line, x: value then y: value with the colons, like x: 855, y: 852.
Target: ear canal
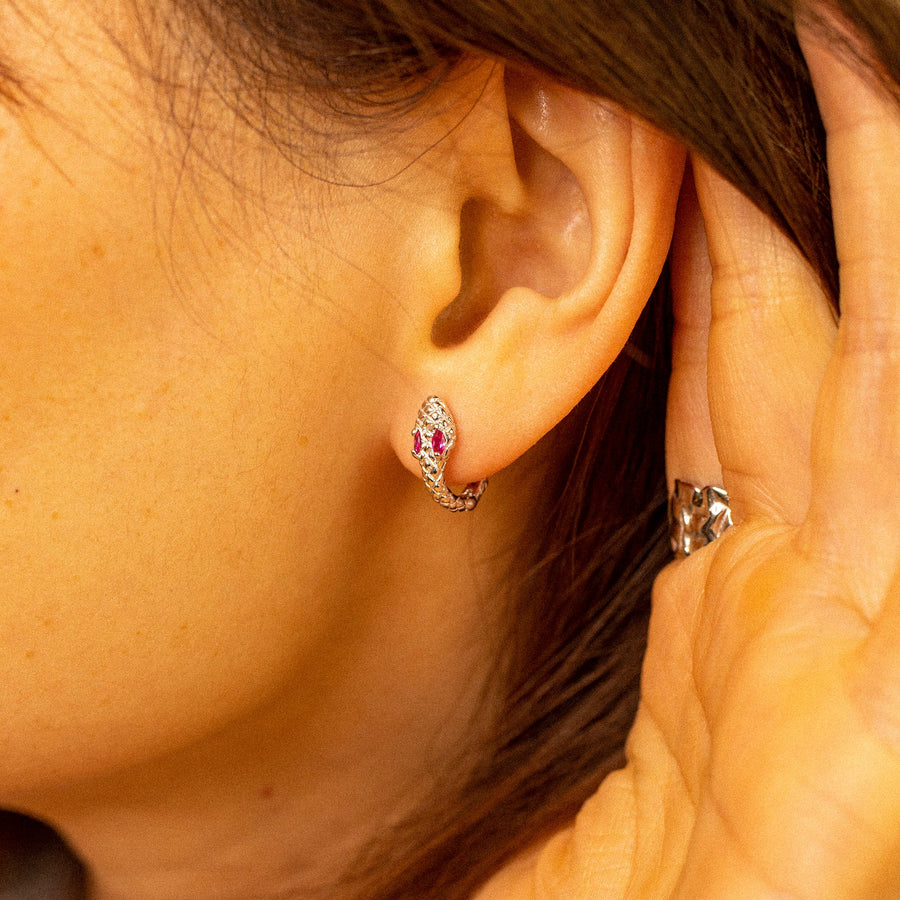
x: 543, y: 246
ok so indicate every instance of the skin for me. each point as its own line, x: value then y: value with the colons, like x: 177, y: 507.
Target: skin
x: 227, y: 661
x: 765, y: 758
x: 239, y: 639
x: 219, y: 630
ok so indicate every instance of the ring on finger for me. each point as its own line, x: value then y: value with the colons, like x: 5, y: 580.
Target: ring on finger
x: 697, y: 516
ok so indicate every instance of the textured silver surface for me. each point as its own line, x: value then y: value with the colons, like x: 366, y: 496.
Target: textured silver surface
x: 432, y: 454
x: 697, y: 516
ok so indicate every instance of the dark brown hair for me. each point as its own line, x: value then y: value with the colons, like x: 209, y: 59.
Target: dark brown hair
x: 727, y: 78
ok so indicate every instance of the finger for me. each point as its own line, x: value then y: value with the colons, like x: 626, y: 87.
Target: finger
x: 770, y: 338
x: 690, y: 447
x: 857, y: 441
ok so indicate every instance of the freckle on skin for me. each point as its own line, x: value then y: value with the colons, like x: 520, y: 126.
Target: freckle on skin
x: 98, y: 251
x: 266, y: 792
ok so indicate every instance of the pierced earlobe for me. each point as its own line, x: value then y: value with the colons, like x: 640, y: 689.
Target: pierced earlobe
x: 433, y: 439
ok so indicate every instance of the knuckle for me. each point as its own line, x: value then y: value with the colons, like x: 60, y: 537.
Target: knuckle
x: 871, y: 335
x: 752, y: 298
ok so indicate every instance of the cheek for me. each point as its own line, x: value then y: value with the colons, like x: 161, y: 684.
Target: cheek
x: 168, y: 521
x: 153, y: 560
x: 154, y: 553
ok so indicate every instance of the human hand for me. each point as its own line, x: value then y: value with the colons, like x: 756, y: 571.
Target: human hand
x: 772, y: 680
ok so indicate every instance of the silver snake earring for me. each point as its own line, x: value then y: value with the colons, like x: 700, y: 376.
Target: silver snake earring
x: 433, y: 439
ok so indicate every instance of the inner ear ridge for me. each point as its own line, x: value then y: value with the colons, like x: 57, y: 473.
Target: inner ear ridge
x: 545, y: 246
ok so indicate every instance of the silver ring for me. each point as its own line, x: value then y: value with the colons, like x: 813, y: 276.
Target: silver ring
x: 697, y: 516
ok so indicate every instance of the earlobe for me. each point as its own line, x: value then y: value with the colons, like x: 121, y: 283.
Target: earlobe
x: 551, y: 288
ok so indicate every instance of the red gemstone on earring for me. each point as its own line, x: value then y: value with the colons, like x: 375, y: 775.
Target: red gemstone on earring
x: 417, y: 442
x: 438, y: 444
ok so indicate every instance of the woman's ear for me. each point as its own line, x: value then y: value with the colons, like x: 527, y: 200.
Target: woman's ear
x: 562, y: 233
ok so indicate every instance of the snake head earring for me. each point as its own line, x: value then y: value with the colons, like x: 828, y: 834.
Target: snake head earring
x: 433, y: 438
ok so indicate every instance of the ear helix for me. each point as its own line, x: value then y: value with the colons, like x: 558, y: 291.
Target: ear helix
x: 433, y: 438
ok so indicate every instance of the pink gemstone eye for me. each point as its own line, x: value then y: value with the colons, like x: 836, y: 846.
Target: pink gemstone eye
x: 417, y: 442
x: 438, y: 444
